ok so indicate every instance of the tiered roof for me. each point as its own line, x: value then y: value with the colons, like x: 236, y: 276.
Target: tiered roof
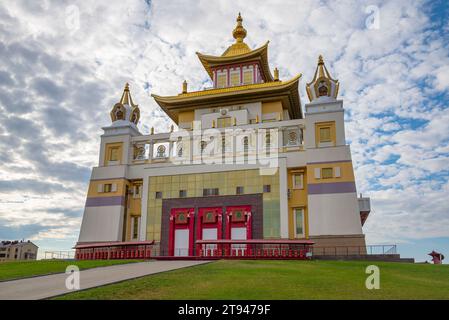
x: 239, y: 52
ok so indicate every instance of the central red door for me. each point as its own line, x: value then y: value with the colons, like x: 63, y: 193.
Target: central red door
x: 209, y: 227
x: 238, y: 226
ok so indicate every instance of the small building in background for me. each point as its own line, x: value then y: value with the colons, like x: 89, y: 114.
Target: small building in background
x: 18, y: 250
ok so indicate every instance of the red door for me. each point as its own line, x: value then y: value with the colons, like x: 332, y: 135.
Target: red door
x: 209, y: 227
x: 181, y: 232
x: 238, y: 227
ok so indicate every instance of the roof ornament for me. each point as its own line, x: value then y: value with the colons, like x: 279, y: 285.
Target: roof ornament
x: 126, y: 110
x: 239, y: 33
x: 239, y: 47
x: 276, y: 74
x: 126, y: 97
x: 323, y: 86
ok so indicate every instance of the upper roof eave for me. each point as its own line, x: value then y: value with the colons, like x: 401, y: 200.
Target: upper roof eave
x: 209, y: 61
x: 170, y: 103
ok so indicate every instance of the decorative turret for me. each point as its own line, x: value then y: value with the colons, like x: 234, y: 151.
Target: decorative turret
x: 323, y: 86
x: 125, y: 110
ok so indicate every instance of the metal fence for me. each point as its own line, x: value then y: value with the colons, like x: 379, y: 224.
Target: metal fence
x: 354, y: 250
x: 59, y: 255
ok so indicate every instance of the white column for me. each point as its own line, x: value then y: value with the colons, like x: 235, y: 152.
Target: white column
x: 151, y: 150
x: 283, y: 197
x: 144, y: 208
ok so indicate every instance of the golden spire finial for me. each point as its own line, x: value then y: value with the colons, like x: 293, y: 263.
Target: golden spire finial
x: 126, y: 96
x: 321, y: 68
x: 239, y: 33
x: 320, y: 59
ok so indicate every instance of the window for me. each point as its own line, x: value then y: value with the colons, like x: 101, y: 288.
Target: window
x: 298, y: 181
x: 239, y: 190
x: 326, y: 173
x: 267, y: 188
x: 299, y: 222
x: 268, y: 139
x: 325, y: 134
x: 182, y: 193
x: 113, y: 156
x: 224, y: 122
x: 135, y: 228
x: 210, y: 192
x: 107, y: 187
x: 137, y: 190
x: 221, y: 80
x: 235, y: 78
x: 248, y: 77
x: 158, y: 195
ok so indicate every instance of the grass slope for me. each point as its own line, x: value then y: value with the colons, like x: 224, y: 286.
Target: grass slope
x: 22, y: 269
x: 230, y: 279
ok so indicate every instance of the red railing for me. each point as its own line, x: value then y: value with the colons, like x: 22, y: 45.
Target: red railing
x: 114, y: 250
x: 254, y: 249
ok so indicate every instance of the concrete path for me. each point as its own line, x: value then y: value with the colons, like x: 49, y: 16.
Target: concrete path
x: 53, y: 285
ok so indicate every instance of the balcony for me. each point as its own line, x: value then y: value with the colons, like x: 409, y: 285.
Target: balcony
x: 364, y: 208
x: 252, y: 141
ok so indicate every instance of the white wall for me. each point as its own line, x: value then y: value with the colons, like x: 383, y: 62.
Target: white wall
x: 243, y: 117
x: 324, y: 113
x: 334, y: 214
x: 102, y: 224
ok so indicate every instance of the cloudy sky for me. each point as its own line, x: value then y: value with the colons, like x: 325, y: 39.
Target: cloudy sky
x: 64, y: 64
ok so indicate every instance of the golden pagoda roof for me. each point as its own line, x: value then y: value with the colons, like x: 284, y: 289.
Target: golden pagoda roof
x: 286, y: 91
x: 238, y: 52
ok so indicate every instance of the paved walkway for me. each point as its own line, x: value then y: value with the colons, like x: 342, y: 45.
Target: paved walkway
x: 52, y: 285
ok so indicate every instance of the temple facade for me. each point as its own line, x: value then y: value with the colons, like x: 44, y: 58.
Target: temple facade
x: 244, y: 160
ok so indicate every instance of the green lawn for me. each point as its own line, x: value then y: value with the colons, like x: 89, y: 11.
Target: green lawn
x: 230, y: 279
x: 22, y: 269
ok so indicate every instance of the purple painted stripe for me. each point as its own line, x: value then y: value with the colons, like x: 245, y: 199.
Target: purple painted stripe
x: 333, y: 187
x: 324, y: 162
x: 105, y: 201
